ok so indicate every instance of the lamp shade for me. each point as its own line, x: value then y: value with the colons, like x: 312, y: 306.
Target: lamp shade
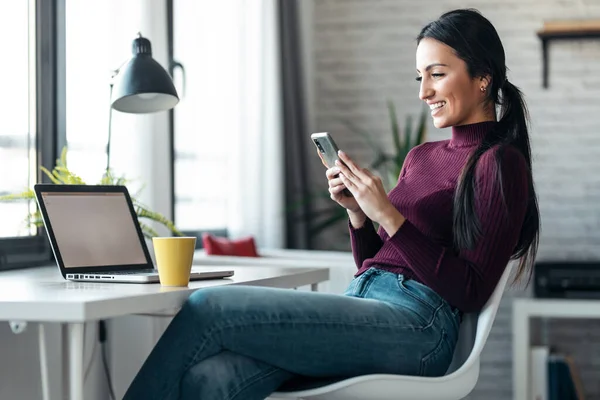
x: 142, y: 85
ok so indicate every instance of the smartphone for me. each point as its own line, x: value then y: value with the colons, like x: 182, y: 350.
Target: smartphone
x: 328, y: 149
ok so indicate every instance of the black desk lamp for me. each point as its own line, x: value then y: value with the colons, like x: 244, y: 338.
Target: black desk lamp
x: 141, y: 86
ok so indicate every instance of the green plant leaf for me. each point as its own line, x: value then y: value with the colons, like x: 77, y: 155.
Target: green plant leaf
x: 27, y: 195
x: 50, y: 176
x: 406, y: 140
x: 396, y: 134
x: 155, y: 216
x: 380, y: 161
x: 148, y: 232
x: 66, y: 176
x: 62, y: 161
x: 35, y: 219
x: 422, y: 128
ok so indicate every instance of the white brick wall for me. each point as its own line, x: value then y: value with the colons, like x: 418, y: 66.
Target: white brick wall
x: 362, y: 52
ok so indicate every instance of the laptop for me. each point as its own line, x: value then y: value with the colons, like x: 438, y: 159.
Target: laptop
x: 96, y: 237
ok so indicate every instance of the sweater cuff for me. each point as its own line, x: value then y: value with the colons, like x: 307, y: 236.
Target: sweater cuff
x: 367, y: 226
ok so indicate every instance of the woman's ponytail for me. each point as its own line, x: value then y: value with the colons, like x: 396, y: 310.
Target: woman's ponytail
x: 514, y: 120
x: 510, y: 130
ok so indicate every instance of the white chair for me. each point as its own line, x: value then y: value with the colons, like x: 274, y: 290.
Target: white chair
x: 458, y: 382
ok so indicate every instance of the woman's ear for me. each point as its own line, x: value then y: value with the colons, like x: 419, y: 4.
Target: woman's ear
x: 484, y: 82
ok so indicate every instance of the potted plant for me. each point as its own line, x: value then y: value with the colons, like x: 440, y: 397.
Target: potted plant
x: 61, y: 174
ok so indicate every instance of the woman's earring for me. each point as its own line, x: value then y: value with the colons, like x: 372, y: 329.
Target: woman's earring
x: 483, y: 88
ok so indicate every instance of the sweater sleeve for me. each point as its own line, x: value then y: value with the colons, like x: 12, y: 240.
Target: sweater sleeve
x: 365, y: 241
x: 467, y: 279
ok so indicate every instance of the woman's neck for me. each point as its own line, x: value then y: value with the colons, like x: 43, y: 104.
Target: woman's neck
x: 470, y: 134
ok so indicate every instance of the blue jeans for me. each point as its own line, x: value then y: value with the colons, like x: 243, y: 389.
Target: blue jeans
x: 243, y: 343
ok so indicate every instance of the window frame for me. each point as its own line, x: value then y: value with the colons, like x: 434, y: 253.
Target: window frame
x: 32, y: 251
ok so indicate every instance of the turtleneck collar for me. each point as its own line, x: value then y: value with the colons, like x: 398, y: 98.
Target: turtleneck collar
x: 471, y: 134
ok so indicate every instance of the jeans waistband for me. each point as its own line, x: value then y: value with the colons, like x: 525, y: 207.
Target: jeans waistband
x: 381, y: 284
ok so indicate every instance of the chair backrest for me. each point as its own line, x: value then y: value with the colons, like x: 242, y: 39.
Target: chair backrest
x: 475, y: 329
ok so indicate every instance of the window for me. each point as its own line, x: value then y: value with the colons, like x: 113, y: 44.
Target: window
x: 18, y: 131
x: 203, y: 119
x: 28, y: 133
x: 98, y: 41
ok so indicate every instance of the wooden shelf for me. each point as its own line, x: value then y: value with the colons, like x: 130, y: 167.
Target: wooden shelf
x: 565, y: 30
x: 569, y: 28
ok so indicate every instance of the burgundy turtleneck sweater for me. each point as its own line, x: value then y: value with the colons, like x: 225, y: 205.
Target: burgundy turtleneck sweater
x: 422, y: 248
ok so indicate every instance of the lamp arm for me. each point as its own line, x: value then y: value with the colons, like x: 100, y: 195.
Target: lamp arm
x: 177, y: 65
x: 115, y: 72
x: 109, y: 128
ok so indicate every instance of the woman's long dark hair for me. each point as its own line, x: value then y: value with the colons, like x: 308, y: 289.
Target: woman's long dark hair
x: 475, y: 40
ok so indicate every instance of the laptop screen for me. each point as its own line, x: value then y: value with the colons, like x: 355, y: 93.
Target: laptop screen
x: 93, y: 229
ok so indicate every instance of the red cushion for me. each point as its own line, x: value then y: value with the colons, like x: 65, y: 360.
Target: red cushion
x: 220, y: 246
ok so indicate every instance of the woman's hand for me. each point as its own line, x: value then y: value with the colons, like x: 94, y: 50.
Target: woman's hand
x: 338, y: 191
x: 337, y: 188
x: 368, y: 192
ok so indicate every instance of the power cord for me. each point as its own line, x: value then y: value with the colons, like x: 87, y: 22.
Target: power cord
x: 102, y: 338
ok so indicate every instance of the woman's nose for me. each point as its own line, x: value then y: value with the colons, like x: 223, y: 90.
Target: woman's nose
x: 425, y: 91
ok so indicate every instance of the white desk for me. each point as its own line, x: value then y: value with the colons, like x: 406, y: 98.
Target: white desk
x: 526, y: 309
x: 42, y: 295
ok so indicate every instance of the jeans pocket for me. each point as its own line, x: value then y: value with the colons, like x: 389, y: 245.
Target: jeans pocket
x: 422, y: 308
x: 437, y: 361
x: 420, y: 293
x: 360, y: 284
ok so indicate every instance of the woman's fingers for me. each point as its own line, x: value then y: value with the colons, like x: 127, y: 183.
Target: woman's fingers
x: 347, y: 173
x: 350, y: 184
x: 337, y: 181
x: 336, y: 189
x: 351, y: 168
x: 357, y: 179
x: 332, y: 172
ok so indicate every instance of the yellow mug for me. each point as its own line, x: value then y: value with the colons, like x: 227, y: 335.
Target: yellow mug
x: 174, y: 256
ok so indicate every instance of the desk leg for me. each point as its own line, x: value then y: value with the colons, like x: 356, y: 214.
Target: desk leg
x: 43, y: 362
x: 521, y: 368
x: 314, y: 287
x: 75, y: 356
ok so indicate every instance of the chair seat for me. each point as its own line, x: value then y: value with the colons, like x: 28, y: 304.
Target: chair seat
x: 458, y: 382
x: 387, y: 387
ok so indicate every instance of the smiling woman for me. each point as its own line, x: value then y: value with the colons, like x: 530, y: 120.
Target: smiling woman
x: 461, y: 210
